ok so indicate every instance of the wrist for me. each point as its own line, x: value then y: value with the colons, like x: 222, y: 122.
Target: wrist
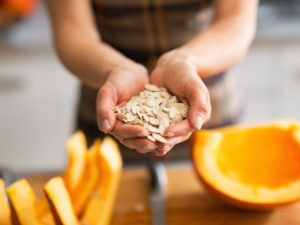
x: 178, y: 56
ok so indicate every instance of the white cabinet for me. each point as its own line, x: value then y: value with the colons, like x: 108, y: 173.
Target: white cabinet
x: 37, y: 109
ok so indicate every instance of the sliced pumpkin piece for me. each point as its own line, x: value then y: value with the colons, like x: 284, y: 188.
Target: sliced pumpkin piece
x: 41, y: 206
x: 76, y: 148
x: 23, y: 200
x: 47, y: 218
x: 100, y: 206
x: 89, y: 179
x: 60, y: 202
x: 252, y: 167
x: 4, y: 206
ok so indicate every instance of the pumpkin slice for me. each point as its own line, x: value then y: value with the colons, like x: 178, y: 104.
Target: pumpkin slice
x: 100, y: 206
x: 47, y: 218
x: 76, y: 147
x: 60, y: 202
x: 89, y: 179
x: 252, y: 167
x: 22, y: 199
x: 4, y: 207
x: 41, y: 206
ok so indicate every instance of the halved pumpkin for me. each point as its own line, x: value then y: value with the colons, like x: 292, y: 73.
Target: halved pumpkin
x: 60, y: 202
x: 252, y: 167
x: 4, y: 207
x: 76, y: 147
x: 23, y: 201
x: 100, y: 206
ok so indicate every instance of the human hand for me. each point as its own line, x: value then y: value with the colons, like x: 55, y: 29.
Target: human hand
x: 122, y: 83
x: 177, y: 72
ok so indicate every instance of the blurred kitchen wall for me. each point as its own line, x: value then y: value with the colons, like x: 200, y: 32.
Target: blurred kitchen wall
x: 269, y: 77
x: 38, y: 96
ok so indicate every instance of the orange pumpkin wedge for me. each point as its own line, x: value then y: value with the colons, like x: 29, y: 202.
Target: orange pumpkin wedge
x: 23, y: 200
x: 89, y: 179
x: 252, y: 167
x: 60, y: 202
x: 41, y: 206
x: 100, y: 206
x: 76, y: 147
x: 4, y: 206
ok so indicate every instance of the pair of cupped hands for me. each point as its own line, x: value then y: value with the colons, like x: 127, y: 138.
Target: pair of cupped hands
x: 175, y: 71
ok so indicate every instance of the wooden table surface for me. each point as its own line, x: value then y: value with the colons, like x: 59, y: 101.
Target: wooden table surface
x: 187, y: 202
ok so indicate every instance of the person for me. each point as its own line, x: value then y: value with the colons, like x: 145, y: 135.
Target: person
x: 115, y: 47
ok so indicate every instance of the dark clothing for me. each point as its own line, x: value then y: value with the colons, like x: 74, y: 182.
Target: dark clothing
x: 143, y: 30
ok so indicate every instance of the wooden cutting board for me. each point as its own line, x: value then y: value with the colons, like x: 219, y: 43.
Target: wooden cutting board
x: 187, y: 202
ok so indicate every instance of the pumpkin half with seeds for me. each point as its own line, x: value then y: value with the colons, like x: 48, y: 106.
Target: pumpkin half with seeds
x: 252, y: 167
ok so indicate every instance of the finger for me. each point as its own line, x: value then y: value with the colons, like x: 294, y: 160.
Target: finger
x: 142, y: 145
x: 105, y: 103
x: 163, y: 151
x: 173, y: 141
x: 179, y: 129
x: 200, y: 108
x: 124, y: 131
x: 155, y: 77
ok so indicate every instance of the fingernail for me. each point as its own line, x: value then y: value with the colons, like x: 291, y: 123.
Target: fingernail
x: 105, y: 126
x: 149, y: 147
x: 198, y: 122
x: 143, y: 134
x: 169, y: 134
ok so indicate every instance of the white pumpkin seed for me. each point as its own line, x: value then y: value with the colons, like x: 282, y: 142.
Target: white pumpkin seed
x: 155, y: 109
x: 162, y: 89
x: 153, y: 121
x: 152, y: 129
x: 121, y: 116
x: 176, y: 119
x: 151, y: 138
x: 151, y: 87
x: 136, y: 122
x: 159, y: 138
x: 150, y: 101
x: 172, y: 112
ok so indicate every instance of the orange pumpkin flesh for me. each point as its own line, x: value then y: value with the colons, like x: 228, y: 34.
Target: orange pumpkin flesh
x: 89, y: 179
x: 255, y: 167
x: 94, y: 191
x: 60, y: 202
x: 76, y: 147
x: 4, y: 207
x: 100, y: 206
x: 22, y: 199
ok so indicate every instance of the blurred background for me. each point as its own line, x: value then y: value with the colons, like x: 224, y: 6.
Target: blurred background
x: 38, y: 96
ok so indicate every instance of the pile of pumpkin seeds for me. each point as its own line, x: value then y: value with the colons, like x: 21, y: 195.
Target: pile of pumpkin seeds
x: 155, y: 109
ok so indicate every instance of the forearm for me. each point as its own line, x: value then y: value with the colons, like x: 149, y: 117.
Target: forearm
x: 223, y: 44
x: 89, y: 59
x: 78, y: 43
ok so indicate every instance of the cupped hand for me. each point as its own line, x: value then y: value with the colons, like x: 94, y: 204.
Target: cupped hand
x: 176, y: 71
x: 123, y: 82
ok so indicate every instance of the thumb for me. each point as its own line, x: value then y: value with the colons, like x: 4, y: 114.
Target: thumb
x: 105, y: 104
x: 200, y: 108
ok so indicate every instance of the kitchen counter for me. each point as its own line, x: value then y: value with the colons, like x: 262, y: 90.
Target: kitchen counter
x: 187, y: 202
